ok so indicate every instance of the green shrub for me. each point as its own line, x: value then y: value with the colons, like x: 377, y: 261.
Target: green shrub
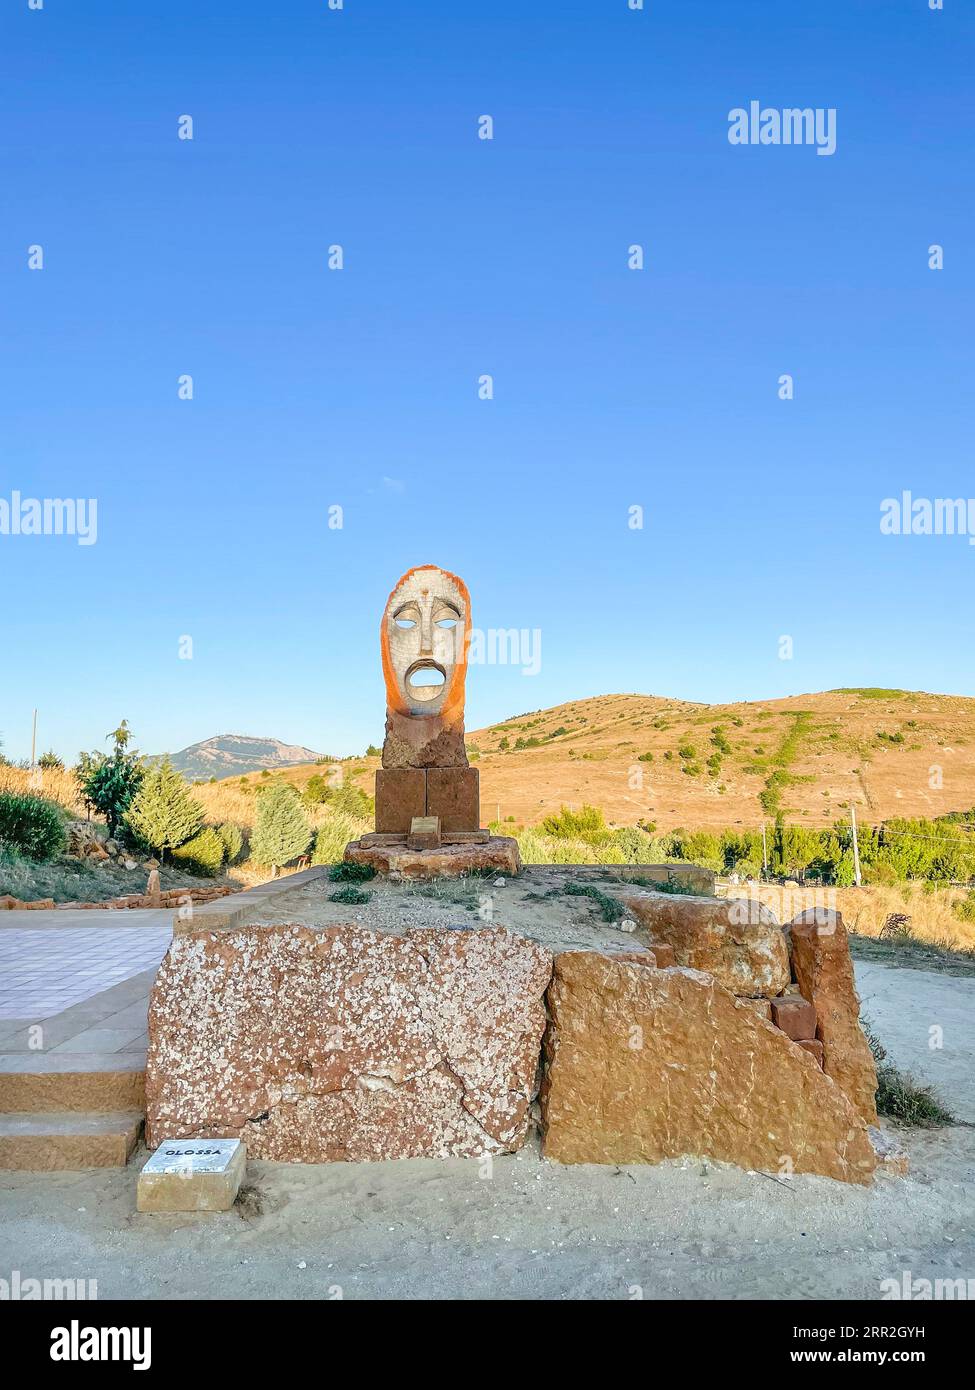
x: 203, y: 854
x: 32, y: 825
x: 720, y: 739
x: 633, y: 844
x: 351, y: 873
x: 678, y: 886
x: 350, y: 894
x: 587, y: 824
x: 233, y: 841
x: 346, y: 797
x: 965, y: 908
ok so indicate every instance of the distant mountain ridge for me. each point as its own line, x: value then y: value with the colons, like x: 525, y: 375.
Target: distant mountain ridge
x: 236, y: 755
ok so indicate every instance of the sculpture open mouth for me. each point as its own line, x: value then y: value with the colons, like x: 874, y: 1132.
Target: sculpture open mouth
x: 425, y: 680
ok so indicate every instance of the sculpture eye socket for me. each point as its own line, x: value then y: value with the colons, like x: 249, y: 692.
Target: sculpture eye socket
x: 446, y: 622
x: 407, y: 617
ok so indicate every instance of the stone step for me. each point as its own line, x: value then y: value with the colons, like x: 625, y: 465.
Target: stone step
x: 39, y: 1082
x: 48, y: 1142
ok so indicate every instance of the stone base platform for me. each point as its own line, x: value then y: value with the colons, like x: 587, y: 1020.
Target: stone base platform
x: 457, y: 856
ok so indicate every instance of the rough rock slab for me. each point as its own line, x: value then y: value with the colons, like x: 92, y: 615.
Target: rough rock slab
x: 737, y: 940
x: 343, y: 1043
x: 824, y: 971
x: 499, y: 853
x: 644, y: 1065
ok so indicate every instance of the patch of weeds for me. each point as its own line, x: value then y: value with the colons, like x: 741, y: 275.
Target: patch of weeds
x: 670, y: 885
x: 457, y: 892
x: 351, y: 873
x: 965, y: 909
x: 609, y: 909
x: 900, y: 1098
x: 350, y: 894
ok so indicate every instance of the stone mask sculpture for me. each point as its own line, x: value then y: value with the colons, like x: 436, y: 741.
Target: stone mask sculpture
x: 424, y: 638
x: 428, y: 809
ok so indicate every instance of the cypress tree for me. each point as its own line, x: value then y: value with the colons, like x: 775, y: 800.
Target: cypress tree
x: 282, y: 831
x: 163, y: 813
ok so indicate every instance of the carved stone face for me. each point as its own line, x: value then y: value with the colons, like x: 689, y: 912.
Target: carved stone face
x: 425, y: 633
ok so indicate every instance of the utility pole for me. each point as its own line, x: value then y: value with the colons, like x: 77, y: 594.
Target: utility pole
x: 36, y: 778
x: 856, y: 847
x: 764, y: 852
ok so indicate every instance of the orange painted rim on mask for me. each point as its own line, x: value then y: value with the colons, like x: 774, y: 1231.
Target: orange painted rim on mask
x: 451, y: 712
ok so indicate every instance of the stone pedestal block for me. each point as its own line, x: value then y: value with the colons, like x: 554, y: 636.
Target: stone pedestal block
x: 454, y: 858
x: 401, y: 795
x: 453, y: 794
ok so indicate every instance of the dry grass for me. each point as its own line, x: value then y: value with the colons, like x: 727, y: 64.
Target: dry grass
x: 865, y: 910
x: 61, y: 787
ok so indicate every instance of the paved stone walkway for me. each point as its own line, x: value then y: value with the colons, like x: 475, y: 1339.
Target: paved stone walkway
x: 77, y: 982
x: 43, y: 972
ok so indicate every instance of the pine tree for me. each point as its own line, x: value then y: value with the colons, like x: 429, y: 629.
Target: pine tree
x: 163, y: 813
x: 282, y: 831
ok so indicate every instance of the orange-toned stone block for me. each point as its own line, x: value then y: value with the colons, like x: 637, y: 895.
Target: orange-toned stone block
x: 795, y: 1016
x: 453, y: 794
x: 401, y: 796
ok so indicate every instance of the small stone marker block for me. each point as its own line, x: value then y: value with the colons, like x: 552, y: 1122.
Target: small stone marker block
x: 424, y: 833
x: 813, y: 1046
x: 192, y: 1175
x: 453, y: 794
x: 401, y: 794
x: 795, y: 1016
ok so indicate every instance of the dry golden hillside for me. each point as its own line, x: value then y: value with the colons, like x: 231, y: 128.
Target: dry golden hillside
x: 891, y: 753
x: 675, y: 763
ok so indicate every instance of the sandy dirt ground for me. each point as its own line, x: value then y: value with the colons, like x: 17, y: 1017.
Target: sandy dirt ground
x: 534, y: 904
x: 529, y: 1229
x: 930, y: 1033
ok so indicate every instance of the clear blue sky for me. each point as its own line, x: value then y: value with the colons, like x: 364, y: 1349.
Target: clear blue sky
x: 462, y: 256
